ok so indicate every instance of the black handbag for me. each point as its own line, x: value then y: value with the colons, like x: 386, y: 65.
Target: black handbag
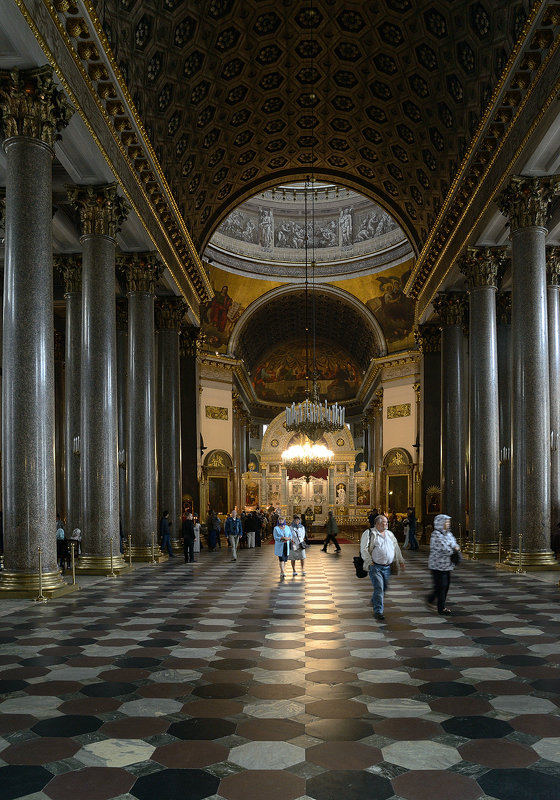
x: 359, y: 567
x: 456, y: 557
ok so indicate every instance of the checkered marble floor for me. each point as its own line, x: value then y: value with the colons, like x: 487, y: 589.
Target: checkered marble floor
x: 218, y: 681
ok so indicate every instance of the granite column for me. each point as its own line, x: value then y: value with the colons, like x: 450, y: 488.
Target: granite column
x: 32, y: 112
x: 553, y: 304
x: 503, y: 310
x: 102, y: 212
x: 141, y: 271
x: 122, y: 406
x: 169, y: 316
x: 525, y: 201
x: 452, y: 311
x: 379, y: 498
x: 428, y: 339
x: 190, y: 435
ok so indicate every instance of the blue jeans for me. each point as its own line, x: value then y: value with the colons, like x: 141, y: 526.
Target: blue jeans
x: 379, y: 575
x: 166, y: 545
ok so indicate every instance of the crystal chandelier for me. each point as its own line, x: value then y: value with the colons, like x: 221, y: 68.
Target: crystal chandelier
x: 307, y: 458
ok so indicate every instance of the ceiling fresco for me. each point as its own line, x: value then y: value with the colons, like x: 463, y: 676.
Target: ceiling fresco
x: 237, y: 95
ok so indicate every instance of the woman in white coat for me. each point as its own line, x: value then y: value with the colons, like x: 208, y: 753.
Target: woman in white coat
x: 297, y: 545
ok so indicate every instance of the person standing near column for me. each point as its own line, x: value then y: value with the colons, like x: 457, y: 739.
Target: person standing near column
x: 442, y: 546
x: 165, y: 534
x: 233, y: 531
x: 189, y: 537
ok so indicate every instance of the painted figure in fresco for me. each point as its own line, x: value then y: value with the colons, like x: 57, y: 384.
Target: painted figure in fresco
x: 393, y: 309
x: 217, y: 313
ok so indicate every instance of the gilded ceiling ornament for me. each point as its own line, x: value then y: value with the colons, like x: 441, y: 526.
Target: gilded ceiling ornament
x: 526, y: 200
x: 170, y: 313
x: 70, y: 268
x: 553, y: 265
x: 102, y: 210
x: 428, y: 338
x: 503, y: 308
x: 140, y: 271
x: 451, y: 308
x: 483, y: 266
x: 32, y: 105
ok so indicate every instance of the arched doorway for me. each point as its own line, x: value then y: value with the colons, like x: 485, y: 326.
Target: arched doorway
x: 216, y: 484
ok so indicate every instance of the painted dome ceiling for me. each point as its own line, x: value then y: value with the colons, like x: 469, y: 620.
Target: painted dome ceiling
x: 238, y: 95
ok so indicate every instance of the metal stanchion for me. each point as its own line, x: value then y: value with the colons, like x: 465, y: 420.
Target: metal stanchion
x: 153, y: 549
x: 473, y: 546
x: 129, y: 537
x: 500, y: 535
x: 112, y: 574
x: 73, y: 562
x: 40, y: 597
x: 520, y: 569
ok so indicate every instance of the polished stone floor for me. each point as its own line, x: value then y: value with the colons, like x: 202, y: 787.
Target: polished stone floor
x: 215, y: 680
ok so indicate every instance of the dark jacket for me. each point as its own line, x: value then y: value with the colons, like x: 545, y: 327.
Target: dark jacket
x: 164, y: 529
x: 187, y: 530
x: 233, y: 527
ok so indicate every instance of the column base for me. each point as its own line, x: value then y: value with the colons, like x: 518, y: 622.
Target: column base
x: 100, y: 565
x: 531, y: 561
x: 25, y: 585
x: 144, y: 554
x: 177, y: 545
x: 482, y: 550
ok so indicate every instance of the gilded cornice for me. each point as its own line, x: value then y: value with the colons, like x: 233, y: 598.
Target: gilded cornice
x: 531, y: 75
x: 483, y: 266
x: 32, y: 105
x: 122, y: 314
x: 526, y: 200
x: 70, y: 268
x: 428, y: 338
x: 170, y: 313
x: 503, y: 308
x: 140, y: 271
x: 102, y: 210
x: 451, y: 308
x: 75, y: 44
x: 553, y: 265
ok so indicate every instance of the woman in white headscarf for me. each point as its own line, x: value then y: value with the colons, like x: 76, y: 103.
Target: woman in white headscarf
x: 442, y: 545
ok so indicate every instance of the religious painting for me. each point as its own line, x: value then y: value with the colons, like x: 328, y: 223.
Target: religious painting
x: 340, y: 494
x: 392, y: 308
x: 274, y: 469
x: 433, y: 501
x: 218, y: 494
x: 218, y: 317
x: 251, y: 493
x: 317, y: 510
x: 363, y: 494
x: 280, y: 376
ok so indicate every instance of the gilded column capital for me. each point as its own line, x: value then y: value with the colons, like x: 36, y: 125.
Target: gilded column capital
x: 102, y: 210
x: 32, y: 105
x: 525, y: 201
x: 190, y: 341
x: 417, y: 388
x: 503, y: 308
x: 70, y: 268
x: 377, y: 402
x: 140, y: 271
x: 122, y: 314
x: 170, y: 313
x: 428, y: 338
x: 483, y: 266
x: 59, y: 347
x: 451, y: 308
x: 553, y: 265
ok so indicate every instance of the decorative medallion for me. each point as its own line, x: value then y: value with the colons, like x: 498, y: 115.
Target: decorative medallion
x: 340, y: 441
x: 274, y: 443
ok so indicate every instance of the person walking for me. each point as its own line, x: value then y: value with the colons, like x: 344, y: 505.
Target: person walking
x: 187, y: 531
x: 258, y: 528
x: 332, y: 531
x: 233, y: 531
x: 282, y: 537
x: 297, y: 545
x: 442, y: 545
x: 250, y: 528
x: 379, y: 548
x: 411, y: 517
x: 165, y: 534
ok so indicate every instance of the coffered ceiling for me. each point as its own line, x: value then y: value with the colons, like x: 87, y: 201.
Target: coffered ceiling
x: 382, y: 96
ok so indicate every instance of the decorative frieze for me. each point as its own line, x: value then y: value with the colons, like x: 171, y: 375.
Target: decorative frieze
x: 70, y: 269
x: 401, y: 410
x: 483, y: 266
x: 553, y: 265
x: 428, y: 338
x: 526, y: 200
x: 170, y: 313
x: 102, y: 210
x: 32, y: 105
x: 216, y: 412
x: 451, y: 308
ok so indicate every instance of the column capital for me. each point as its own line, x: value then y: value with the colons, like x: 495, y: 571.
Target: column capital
x: 70, y: 268
x: 377, y: 402
x: 32, y: 105
x: 102, y: 210
x: 170, y: 313
x: 553, y: 265
x: 482, y: 266
x: 417, y: 388
x: 526, y: 199
x: 428, y: 338
x: 451, y: 308
x: 503, y: 308
x: 191, y: 340
x: 139, y: 271
x: 122, y: 314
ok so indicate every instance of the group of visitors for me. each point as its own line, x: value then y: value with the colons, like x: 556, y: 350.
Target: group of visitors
x: 289, y: 544
x: 64, y: 545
